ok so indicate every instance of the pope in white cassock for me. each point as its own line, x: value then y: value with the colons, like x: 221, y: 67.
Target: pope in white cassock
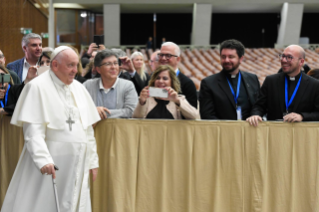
x: 57, y: 115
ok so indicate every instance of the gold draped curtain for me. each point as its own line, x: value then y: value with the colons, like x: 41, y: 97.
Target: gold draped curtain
x: 194, y: 166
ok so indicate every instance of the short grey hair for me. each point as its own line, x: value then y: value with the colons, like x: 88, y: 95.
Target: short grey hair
x: 302, y: 52
x: 25, y: 40
x: 177, y: 49
x: 100, y: 56
x: 119, y: 52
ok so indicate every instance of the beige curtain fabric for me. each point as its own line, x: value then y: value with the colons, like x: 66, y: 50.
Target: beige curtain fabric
x: 11, y: 145
x: 187, y: 166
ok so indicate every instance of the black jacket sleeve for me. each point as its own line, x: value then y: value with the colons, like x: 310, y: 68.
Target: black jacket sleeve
x: 13, y: 96
x: 139, y: 83
x: 260, y: 106
x: 206, y: 103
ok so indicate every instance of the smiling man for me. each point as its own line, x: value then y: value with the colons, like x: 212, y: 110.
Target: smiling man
x: 114, y: 97
x: 57, y: 115
x: 170, y: 55
x: 231, y: 93
x: 292, y: 95
x: 32, y: 47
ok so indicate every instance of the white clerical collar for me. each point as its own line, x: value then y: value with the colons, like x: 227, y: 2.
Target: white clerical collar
x: 107, y: 90
x: 57, y: 81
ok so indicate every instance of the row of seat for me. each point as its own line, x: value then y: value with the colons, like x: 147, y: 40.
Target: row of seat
x: 200, y: 63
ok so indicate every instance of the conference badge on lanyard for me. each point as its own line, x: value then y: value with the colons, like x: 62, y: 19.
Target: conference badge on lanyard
x: 238, y: 109
x: 288, y: 102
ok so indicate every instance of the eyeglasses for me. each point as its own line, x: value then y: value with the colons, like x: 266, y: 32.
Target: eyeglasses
x: 110, y: 64
x: 168, y: 56
x: 287, y: 57
x: 1, y: 56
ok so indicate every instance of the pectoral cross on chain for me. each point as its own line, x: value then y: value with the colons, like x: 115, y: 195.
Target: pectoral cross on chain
x: 70, y: 122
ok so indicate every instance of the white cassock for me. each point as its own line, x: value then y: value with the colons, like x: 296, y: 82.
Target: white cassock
x: 43, y: 108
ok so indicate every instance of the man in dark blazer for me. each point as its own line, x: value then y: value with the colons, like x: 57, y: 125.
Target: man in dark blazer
x: 218, y: 96
x: 170, y: 55
x: 291, y: 96
x: 32, y: 47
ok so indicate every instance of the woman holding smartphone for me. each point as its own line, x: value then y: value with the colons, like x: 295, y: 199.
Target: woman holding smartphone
x: 174, y: 106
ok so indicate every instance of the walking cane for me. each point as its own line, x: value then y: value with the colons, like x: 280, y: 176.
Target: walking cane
x: 55, y: 190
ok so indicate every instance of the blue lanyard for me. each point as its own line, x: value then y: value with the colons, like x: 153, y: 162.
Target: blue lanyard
x: 238, y: 87
x: 293, y: 95
x: 6, y: 98
x: 177, y: 72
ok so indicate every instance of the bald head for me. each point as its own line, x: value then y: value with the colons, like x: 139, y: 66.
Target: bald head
x: 292, y: 60
x: 298, y: 49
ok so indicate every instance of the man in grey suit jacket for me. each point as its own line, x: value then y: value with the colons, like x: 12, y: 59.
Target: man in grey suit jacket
x: 113, y: 96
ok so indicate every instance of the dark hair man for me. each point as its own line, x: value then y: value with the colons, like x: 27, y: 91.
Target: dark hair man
x: 231, y: 93
x: 291, y: 96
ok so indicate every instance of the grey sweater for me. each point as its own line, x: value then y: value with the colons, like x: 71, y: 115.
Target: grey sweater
x: 126, y: 97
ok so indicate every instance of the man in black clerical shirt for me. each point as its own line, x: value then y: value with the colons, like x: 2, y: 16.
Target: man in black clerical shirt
x: 231, y: 93
x: 291, y: 96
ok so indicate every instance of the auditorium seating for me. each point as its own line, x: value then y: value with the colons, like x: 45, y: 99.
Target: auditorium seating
x: 200, y: 63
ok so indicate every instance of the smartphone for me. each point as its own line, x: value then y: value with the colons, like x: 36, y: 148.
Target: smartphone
x: 43, y: 69
x: 119, y: 61
x: 158, y: 92
x: 4, y: 78
x: 98, y: 39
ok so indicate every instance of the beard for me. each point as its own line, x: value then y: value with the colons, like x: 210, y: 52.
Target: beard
x: 230, y: 70
x: 293, y: 69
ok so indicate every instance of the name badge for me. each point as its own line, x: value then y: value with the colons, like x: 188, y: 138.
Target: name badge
x: 238, y: 111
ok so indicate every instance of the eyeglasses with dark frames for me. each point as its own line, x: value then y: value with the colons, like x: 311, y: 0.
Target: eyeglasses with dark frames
x: 288, y: 58
x: 168, y: 56
x: 109, y: 64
